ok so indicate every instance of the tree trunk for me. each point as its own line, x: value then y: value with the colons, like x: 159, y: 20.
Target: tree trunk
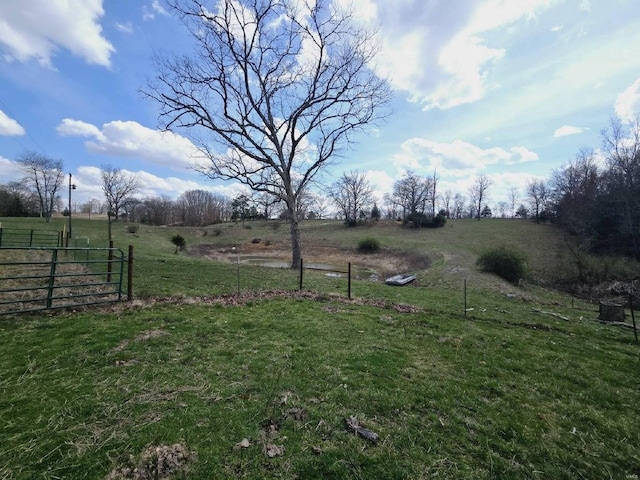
x: 296, y: 247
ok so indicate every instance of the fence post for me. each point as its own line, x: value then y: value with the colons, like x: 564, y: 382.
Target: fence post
x: 130, y: 275
x: 349, y: 282
x: 465, y: 297
x: 633, y: 315
x: 301, y: 268
x: 52, y: 276
x: 31, y: 238
x: 109, y: 260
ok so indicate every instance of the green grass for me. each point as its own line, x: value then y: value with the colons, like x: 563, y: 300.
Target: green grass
x: 509, y: 390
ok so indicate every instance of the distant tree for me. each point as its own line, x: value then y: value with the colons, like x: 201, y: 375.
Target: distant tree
x: 44, y: 176
x: 117, y: 186
x: 575, y: 189
x: 618, y: 222
x: 513, y: 195
x: 458, y: 205
x: 197, y: 208
x: 130, y: 208
x: 351, y: 194
x: 240, y: 208
x: 522, y: 212
x: 413, y: 193
x: 447, y: 197
x: 433, y: 194
x: 17, y: 201
x: 479, y: 193
x: 282, y: 86
x: 486, y: 212
x: 319, y: 205
x: 391, y: 207
x: 502, y: 208
x: 375, y: 212
x: 538, y: 194
x: 159, y: 209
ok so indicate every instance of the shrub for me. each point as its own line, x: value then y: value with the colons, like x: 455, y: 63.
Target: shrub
x: 179, y: 241
x: 369, y: 245
x: 217, y: 231
x: 504, y: 262
x: 132, y: 228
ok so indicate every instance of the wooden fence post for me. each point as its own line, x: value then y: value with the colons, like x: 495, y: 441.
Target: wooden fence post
x: 349, y: 282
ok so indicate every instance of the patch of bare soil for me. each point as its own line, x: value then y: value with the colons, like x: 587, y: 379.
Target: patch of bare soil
x: 384, y: 263
x: 155, y: 463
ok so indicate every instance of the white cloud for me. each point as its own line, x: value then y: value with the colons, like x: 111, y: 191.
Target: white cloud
x: 38, y: 28
x: 463, y: 61
x: 78, y: 128
x: 457, y: 158
x: 9, y: 127
x: 628, y: 102
x: 9, y: 171
x: 132, y: 140
x: 149, y: 13
x: 88, y: 182
x: 124, y: 27
x: 446, y: 63
x: 566, y: 130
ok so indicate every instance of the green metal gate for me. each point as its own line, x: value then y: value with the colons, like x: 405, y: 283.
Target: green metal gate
x: 34, y: 279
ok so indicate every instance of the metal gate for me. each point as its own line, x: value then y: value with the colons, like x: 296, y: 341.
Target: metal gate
x: 34, y: 279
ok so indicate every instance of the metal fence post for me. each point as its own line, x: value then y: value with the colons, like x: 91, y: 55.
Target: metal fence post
x: 109, y: 260
x: 130, y: 275
x: 349, y: 282
x: 301, y: 268
x: 52, y: 276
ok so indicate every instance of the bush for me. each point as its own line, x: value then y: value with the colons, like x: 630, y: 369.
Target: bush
x: 504, y: 262
x: 132, y: 228
x: 179, y: 241
x: 369, y: 245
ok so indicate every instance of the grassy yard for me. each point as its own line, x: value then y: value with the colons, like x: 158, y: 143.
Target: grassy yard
x: 192, y: 380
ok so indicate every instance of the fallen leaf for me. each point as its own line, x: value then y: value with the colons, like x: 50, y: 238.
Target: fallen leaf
x: 244, y: 443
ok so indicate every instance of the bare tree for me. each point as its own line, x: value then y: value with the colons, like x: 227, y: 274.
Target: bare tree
x: 158, y: 210
x: 621, y: 146
x: 44, y: 176
x: 447, y: 197
x: 458, y: 205
x: 280, y: 85
x: 117, y: 186
x: 433, y: 194
x: 538, y: 193
x: 479, y: 193
x: 513, y: 195
x: 413, y: 193
x: 198, y: 208
x: 351, y: 194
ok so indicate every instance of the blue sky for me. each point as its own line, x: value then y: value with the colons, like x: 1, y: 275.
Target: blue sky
x: 509, y: 88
